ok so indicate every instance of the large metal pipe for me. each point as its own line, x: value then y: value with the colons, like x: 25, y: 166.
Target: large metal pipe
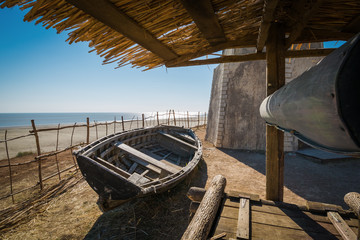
x: 322, y: 106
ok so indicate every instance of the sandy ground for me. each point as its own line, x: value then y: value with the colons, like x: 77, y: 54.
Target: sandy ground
x: 74, y: 215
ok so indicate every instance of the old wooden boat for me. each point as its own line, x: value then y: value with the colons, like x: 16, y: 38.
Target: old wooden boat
x: 139, y: 162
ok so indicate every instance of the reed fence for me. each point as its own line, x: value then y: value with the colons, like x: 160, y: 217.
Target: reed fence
x: 42, y: 156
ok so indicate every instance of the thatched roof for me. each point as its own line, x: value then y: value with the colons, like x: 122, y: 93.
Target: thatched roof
x: 151, y: 33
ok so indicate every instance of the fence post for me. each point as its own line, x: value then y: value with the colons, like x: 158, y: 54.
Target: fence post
x: 205, y: 121
x: 122, y: 123
x: 174, y: 117
x: 10, y: 173
x: 114, y: 124
x: 188, y: 121
x: 38, y: 152
x: 56, y: 149
x: 198, y: 125
x: 87, y: 131
x: 157, y: 116
x: 71, y: 143
x: 143, y: 120
x: 96, y: 130
x: 106, y: 127
x: 169, y: 117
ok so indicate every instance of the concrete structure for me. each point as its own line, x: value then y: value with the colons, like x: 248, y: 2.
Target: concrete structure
x: 237, y: 92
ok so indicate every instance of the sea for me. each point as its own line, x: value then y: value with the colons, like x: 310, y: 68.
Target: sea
x: 24, y: 119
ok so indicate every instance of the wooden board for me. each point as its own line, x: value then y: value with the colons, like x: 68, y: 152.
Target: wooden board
x: 276, y: 222
x: 341, y: 226
x: 170, y: 137
x: 145, y: 158
x: 243, y: 226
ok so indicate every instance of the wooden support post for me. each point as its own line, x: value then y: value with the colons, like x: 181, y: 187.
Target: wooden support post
x: 157, y: 117
x: 10, y: 172
x: 56, y: 149
x: 275, y: 78
x: 87, y: 131
x: 38, y: 152
x: 122, y: 123
x: 174, y: 117
x: 143, y: 120
x: 202, y: 221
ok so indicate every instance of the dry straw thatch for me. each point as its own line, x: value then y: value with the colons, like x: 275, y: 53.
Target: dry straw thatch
x: 170, y: 23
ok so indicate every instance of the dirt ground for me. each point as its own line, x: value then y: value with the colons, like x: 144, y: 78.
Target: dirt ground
x: 75, y: 215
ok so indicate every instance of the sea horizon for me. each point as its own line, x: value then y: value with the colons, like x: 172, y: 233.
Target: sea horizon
x: 10, y: 120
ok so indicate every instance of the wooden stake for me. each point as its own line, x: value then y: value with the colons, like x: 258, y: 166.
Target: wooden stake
x: 157, y: 117
x: 106, y: 127
x: 202, y: 221
x: 114, y: 124
x: 205, y: 121
x: 38, y: 153
x: 143, y: 120
x: 275, y: 78
x: 188, y: 120
x: 174, y: 117
x: 71, y: 144
x: 10, y: 173
x: 56, y: 149
x: 96, y: 130
x: 198, y: 125
x: 87, y: 131
x: 122, y: 123
x: 169, y: 117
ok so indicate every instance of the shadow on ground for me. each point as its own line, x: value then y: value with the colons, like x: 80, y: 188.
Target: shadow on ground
x: 321, y: 182
x: 161, y: 216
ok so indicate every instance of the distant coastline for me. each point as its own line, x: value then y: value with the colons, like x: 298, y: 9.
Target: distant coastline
x: 11, y: 120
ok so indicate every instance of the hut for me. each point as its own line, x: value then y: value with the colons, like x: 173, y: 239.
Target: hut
x: 149, y: 34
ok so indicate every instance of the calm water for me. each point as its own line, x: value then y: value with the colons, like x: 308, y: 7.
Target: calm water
x: 24, y: 119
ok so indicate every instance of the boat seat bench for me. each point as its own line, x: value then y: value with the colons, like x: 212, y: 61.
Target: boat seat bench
x: 145, y: 158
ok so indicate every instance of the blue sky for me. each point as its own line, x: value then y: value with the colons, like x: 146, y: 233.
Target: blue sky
x: 40, y: 72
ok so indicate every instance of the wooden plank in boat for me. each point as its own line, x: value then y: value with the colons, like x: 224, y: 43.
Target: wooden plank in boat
x: 147, y: 152
x: 112, y: 167
x: 133, y: 167
x: 178, y: 141
x: 138, y: 179
x: 146, y: 158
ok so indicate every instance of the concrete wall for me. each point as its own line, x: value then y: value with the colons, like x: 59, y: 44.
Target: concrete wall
x: 237, y: 92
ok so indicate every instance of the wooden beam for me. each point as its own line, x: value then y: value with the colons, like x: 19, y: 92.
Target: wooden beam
x: 205, y: 19
x: 257, y: 56
x: 302, y: 16
x: 267, y: 18
x: 275, y: 78
x: 353, y: 26
x: 316, y: 35
x: 107, y: 13
x: 240, y: 43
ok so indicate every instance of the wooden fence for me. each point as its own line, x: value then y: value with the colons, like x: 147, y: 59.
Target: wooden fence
x: 169, y: 118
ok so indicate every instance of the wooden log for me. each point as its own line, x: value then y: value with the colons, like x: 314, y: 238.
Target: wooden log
x: 202, y: 221
x: 275, y: 78
x: 196, y: 194
x: 87, y: 131
x: 341, y: 226
x: 38, y: 152
x: 352, y: 199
